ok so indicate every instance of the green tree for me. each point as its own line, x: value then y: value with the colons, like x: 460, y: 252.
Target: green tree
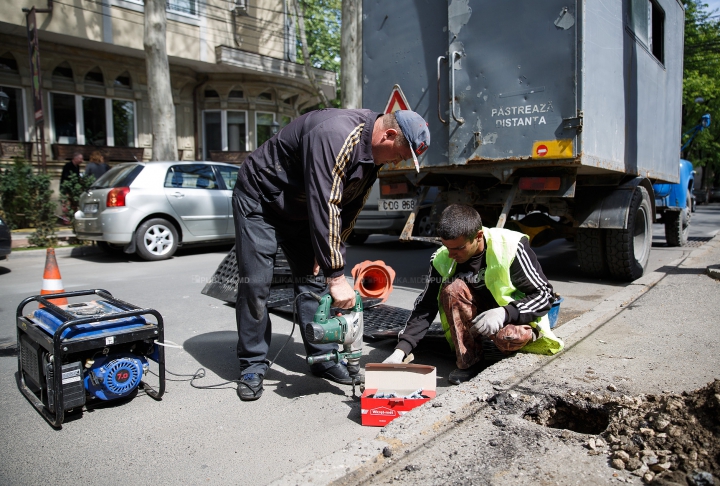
x: 701, y: 85
x: 25, y: 202
x: 322, y: 29
x: 70, y: 192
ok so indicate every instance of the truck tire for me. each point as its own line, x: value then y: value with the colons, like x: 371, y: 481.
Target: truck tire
x: 677, y: 225
x: 156, y: 239
x: 590, y: 244
x: 628, y: 249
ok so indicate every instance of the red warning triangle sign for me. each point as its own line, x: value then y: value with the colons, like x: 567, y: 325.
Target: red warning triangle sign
x: 397, y: 101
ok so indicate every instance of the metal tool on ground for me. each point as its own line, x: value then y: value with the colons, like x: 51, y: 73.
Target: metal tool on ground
x: 345, y: 329
x: 74, y: 354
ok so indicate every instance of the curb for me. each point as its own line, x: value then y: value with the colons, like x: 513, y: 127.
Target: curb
x: 358, y: 461
x: 66, y: 251
x: 20, y: 240
x: 714, y: 271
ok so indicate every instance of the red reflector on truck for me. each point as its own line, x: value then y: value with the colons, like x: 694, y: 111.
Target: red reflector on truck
x: 393, y: 189
x: 539, y: 183
x: 116, y: 197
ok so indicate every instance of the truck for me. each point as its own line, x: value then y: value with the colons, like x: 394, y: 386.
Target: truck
x: 558, y: 118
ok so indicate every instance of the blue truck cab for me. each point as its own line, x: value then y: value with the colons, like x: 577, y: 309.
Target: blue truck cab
x: 673, y: 203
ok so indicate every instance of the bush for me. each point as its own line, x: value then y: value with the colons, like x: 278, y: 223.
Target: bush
x: 70, y: 192
x: 25, y: 202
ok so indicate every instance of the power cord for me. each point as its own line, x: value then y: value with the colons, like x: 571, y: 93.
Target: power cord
x: 200, y: 373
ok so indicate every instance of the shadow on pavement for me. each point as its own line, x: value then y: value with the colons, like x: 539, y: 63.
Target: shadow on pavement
x: 215, y: 351
x: 96, y: 255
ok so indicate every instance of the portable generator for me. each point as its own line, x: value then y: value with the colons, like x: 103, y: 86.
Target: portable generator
x: 74, y: 353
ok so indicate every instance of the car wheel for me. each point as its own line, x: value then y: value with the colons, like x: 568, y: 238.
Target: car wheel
x: 423, y: 224
x: 156, y: 239
x: 357, y: 239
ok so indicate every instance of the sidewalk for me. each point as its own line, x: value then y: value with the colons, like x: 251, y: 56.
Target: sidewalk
x: 648, y: 344
x: 20, y: 237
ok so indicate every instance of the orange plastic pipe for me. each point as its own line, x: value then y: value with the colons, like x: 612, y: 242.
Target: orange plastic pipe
x: 373, y: 279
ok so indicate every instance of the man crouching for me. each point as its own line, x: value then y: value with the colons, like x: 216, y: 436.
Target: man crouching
x: 487, y: 284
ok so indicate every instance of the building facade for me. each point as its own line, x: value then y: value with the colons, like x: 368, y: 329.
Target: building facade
x: 232, y: 65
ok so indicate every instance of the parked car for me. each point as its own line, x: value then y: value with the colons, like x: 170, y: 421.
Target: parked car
x: 701, y: 196
x: 388, y: 215
x: 714, y: 194
x: 153, y: 208
x: 5, y: 240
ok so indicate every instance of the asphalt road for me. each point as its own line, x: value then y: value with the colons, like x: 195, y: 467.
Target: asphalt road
x: 209, y: 436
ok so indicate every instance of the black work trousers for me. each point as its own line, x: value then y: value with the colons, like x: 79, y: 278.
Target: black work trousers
x: 258, y: 232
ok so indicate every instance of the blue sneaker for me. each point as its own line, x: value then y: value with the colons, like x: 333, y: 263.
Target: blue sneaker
x: 250, y: 387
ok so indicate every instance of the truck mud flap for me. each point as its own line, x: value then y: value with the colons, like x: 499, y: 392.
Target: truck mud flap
x: 603, y: 208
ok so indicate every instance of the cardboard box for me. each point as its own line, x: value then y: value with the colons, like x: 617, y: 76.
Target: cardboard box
x: 403, y: 379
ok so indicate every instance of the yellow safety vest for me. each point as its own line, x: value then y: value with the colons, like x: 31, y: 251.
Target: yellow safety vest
x: 501, y: 248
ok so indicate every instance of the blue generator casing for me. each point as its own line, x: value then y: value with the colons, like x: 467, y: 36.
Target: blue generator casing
x: 101, y: 349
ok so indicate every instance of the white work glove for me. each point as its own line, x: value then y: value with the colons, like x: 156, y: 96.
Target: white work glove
x: 396, y: 358
x: 488, y: 322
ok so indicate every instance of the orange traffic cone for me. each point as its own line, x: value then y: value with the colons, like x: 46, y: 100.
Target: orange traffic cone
x: 52, y: 283
x: 373, y: 279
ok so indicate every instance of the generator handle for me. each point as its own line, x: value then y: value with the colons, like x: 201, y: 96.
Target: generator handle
x: 452, y: 82
x: 440, y: 58
x: 42, y: 299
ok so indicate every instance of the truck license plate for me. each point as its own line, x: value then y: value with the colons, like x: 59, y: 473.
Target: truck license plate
x: 90, y: 208
x: 396, y: 204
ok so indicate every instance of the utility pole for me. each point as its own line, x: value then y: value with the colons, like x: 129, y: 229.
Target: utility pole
x: 164, y: 145
x: 34, y: 50
x: 351, y: 54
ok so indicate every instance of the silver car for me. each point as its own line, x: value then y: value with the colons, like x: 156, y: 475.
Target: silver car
x: 152, y: 208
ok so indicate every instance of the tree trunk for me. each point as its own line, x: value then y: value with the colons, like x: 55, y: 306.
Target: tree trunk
x: 164, y: 145
x: 300, y: 14
x: 351, y: 54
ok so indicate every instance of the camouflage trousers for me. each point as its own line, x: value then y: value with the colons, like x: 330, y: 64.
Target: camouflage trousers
x: 460, y: 308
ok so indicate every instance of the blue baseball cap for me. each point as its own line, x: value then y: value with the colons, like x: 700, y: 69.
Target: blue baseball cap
x: 416, y: 131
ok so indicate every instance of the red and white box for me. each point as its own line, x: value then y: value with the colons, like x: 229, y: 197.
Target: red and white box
x: 403, y: 379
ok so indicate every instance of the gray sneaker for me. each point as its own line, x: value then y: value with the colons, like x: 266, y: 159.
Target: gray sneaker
x: 250, y: 387
x: 461, y: 376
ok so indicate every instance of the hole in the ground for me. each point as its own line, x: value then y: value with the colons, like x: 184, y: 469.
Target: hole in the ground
x: 558, y: 413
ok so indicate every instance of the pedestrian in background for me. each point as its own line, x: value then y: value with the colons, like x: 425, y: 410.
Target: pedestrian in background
x: 72, y: 167
x: 97, y: 166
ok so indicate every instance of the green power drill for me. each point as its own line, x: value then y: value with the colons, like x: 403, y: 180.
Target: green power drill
x: 345, y: 329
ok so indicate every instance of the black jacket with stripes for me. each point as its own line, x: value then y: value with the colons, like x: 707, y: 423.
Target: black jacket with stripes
x: 525, y: 273
x: 318, y: 168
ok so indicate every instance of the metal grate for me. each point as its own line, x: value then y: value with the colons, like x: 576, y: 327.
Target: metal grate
x: 224, y: 282
x: 280, y: 299
x: 697, y: 241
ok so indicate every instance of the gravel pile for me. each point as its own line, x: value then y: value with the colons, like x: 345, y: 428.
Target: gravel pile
x: 665, y: 439
x: 668, y: 438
